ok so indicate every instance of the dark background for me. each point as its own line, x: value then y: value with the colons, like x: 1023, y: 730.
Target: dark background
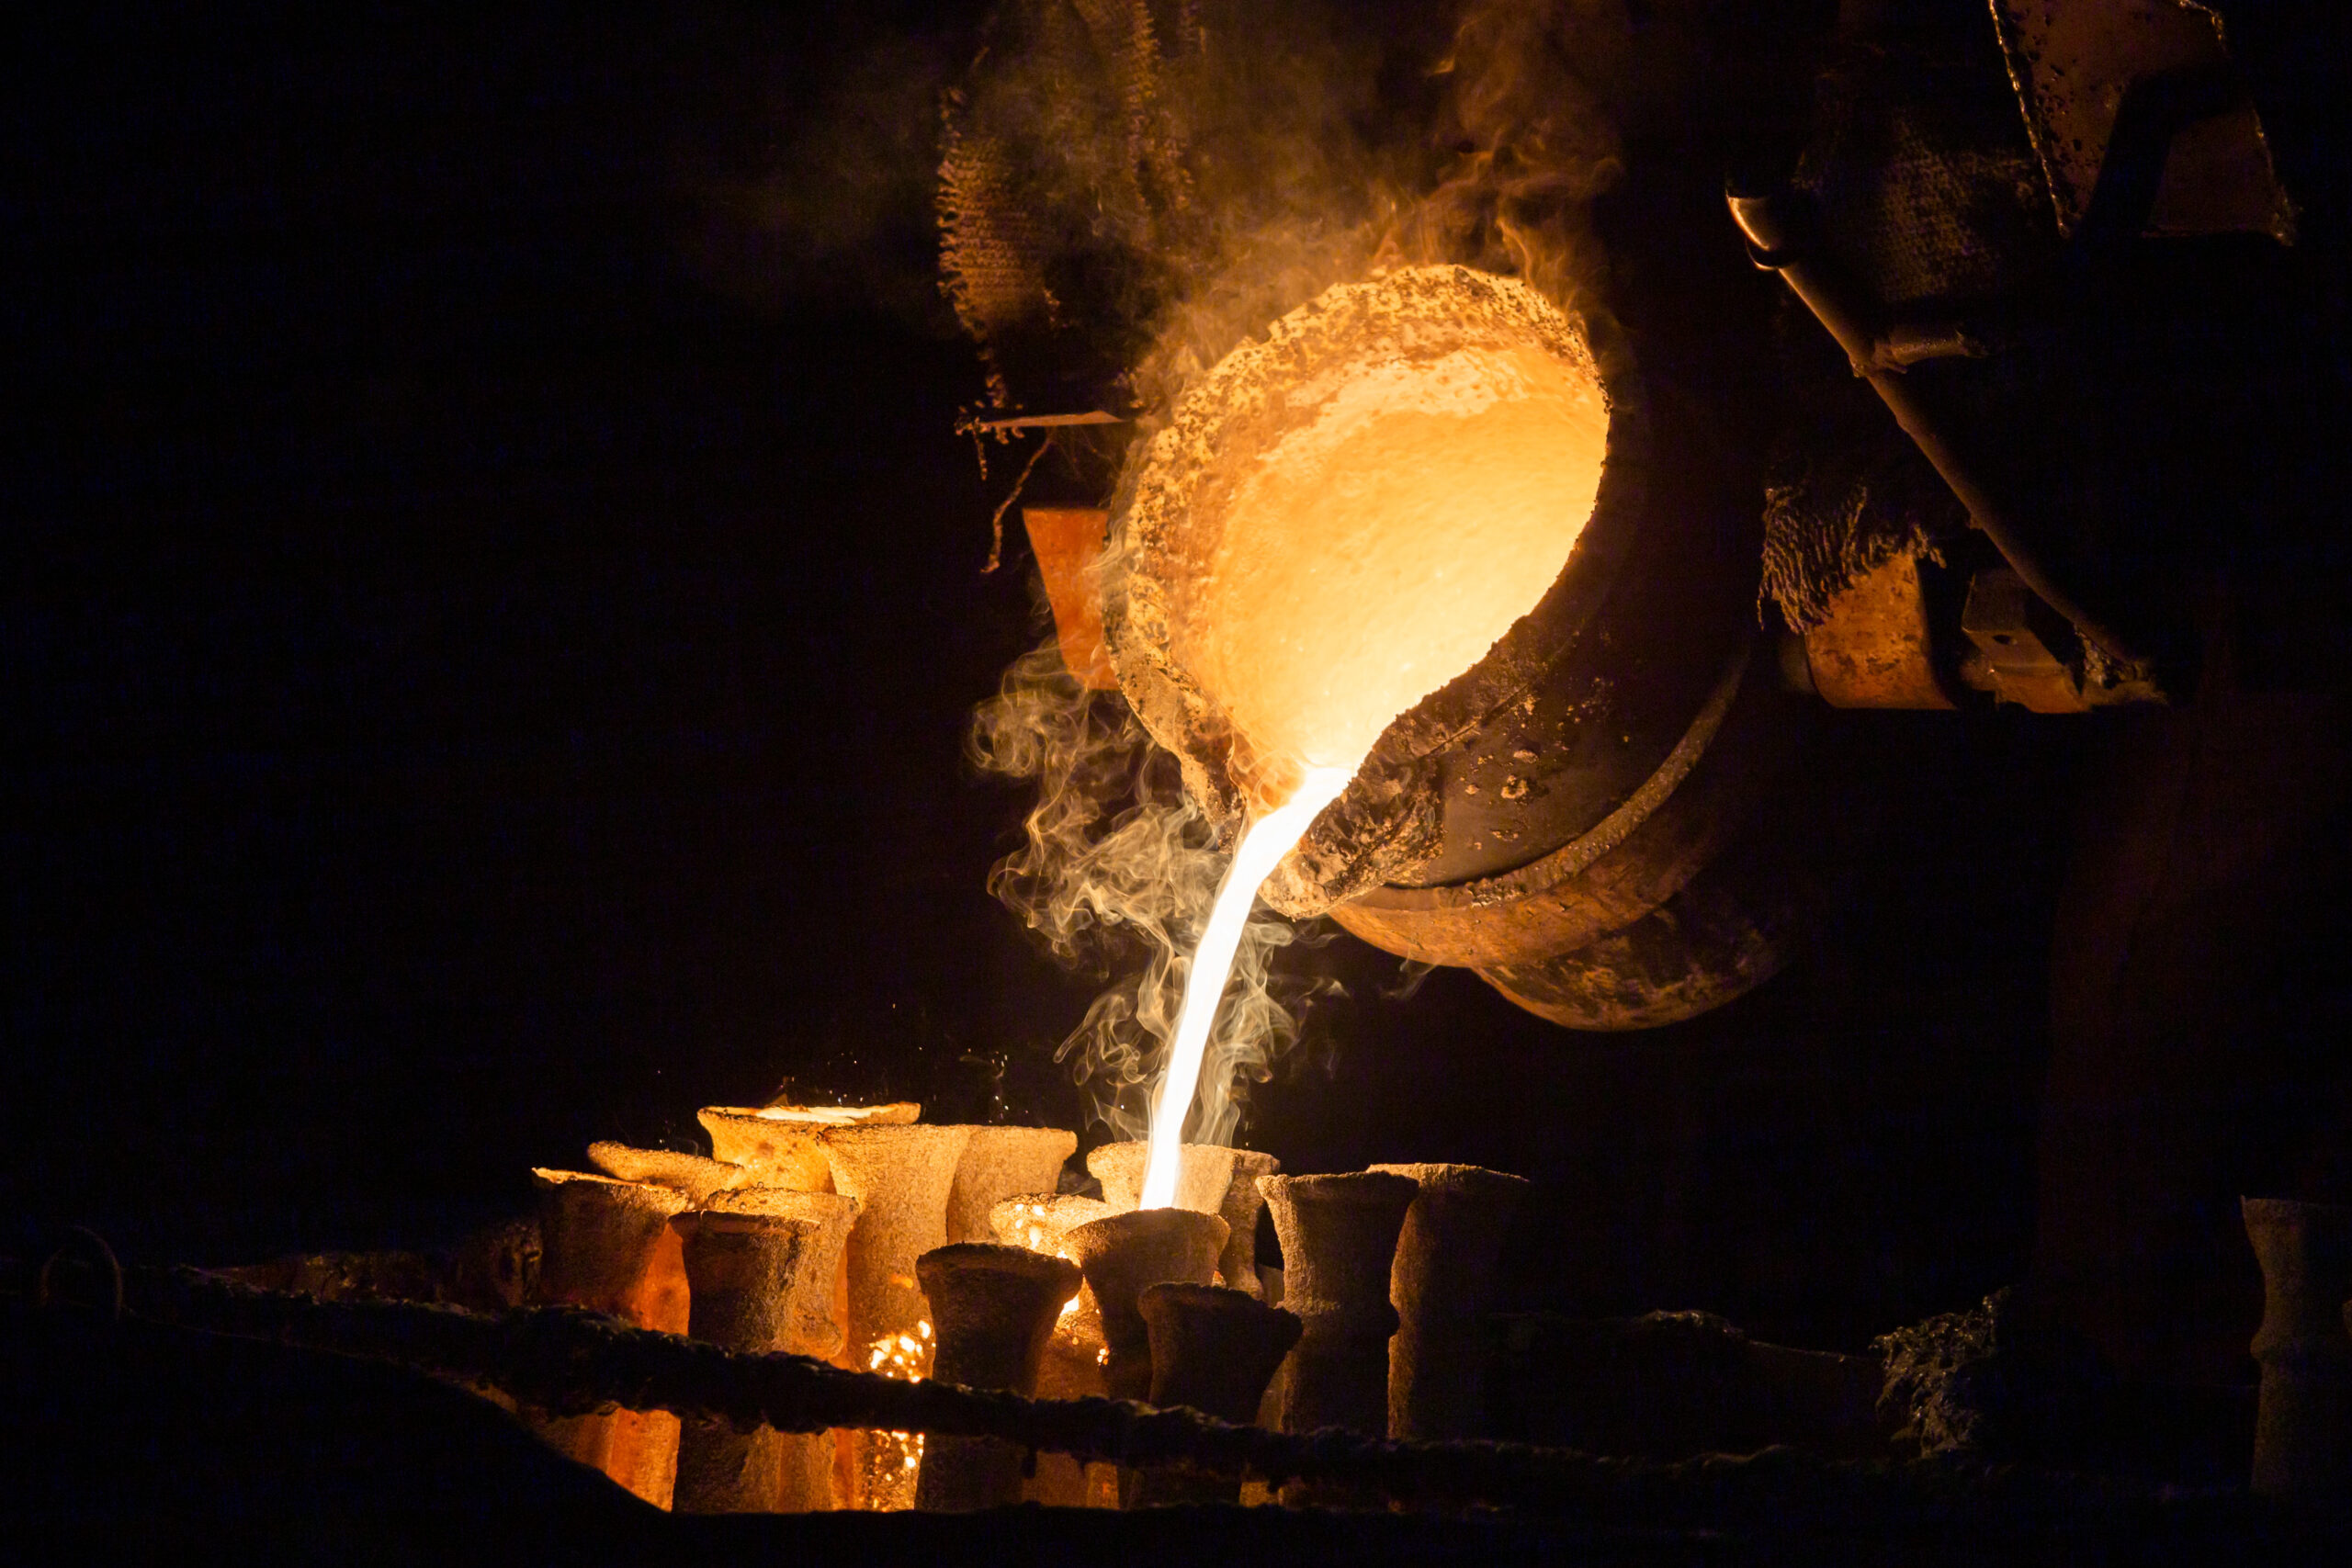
x: 489, y: 606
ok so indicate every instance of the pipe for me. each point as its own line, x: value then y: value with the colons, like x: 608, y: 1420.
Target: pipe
x: 900, y: 1174
x: 993, y: 1309
x: 608, y: 1246
x: 1338, y: 1236
x: 742, y: 1269
x: 1204, y: 1171
x: 1074, y: 1355
x: 697, y: 1176
x: 1215, y: 1351
x: 1122, y: 1254
x: 1442, y: 1284
x: 2302, y: 1432
x: 1238, y: 1265
x: 1779, y: 225
x: 1000, y: 1163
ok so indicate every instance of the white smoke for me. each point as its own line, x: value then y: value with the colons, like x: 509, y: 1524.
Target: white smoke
x: 1118, y: 869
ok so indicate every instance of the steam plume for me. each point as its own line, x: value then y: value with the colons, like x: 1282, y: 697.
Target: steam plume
x: 1120, y: 866
x: 1537, y: 142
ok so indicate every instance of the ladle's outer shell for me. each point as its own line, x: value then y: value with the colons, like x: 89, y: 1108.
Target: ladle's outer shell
x: 1725, y: 930
x: 1578, y: 780
x: 1390, y: 820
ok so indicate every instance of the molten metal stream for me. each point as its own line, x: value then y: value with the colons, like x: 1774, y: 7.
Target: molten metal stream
x: 1264, y: 843
x: 1399, y: 473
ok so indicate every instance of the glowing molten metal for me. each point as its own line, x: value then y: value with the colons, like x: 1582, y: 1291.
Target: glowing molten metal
x: 1341, y: 518
x: 1263, y: 844
x: 1378, y: 548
